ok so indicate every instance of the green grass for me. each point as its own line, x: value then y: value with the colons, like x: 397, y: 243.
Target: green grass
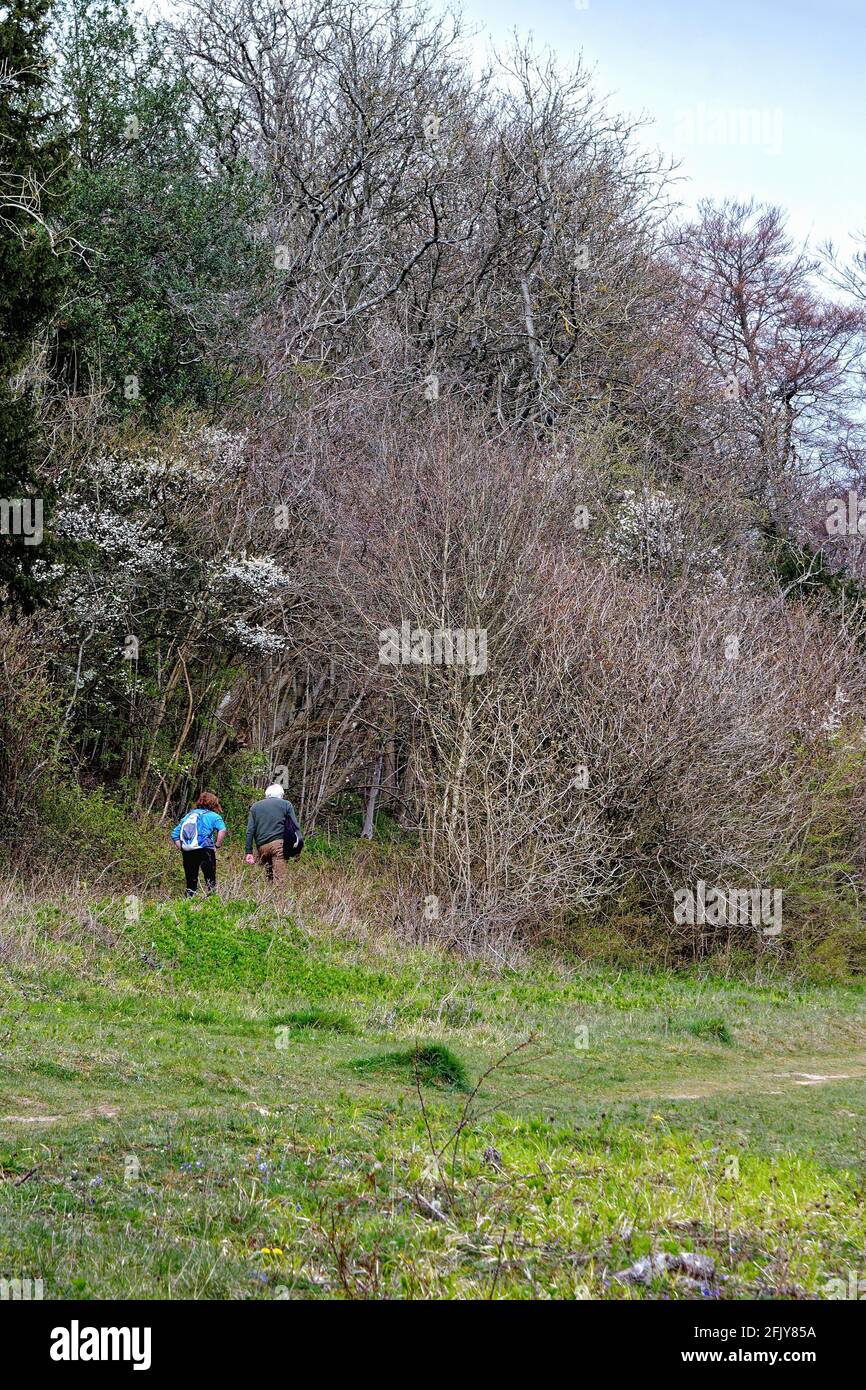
x: 215, y: 1101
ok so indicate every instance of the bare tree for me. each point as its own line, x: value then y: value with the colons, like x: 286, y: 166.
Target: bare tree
x: 785, y: 359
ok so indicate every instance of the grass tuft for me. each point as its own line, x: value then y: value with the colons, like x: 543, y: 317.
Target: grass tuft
x: 313, y: 1020
x: 432, y: 1063
x: 709, y: 1029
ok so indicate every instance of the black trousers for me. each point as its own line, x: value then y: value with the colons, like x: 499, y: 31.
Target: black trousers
x: 195, y: 859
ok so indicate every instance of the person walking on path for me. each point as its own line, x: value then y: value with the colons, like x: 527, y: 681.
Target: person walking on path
x: 198, y: 835
x: 265, y: 827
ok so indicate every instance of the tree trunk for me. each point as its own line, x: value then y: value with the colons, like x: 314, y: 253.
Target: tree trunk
x: 372, y: 794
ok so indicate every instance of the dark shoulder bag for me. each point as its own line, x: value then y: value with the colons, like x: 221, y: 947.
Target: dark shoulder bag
x: 293, y: 840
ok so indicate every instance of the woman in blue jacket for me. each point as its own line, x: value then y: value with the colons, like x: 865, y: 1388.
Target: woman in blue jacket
x: 198, y: 835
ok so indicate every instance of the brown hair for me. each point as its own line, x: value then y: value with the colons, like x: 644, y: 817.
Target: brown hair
x: 209, y: 801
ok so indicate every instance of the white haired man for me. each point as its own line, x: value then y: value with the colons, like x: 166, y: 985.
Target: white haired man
x: 265, y: 825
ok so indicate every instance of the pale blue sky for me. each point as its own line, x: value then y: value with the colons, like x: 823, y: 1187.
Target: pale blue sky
x: 764, y: 99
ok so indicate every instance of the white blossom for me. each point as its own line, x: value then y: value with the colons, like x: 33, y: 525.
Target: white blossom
x: 261, y: 574
x: 649, y: 526
x: 832, y: 722
x: 256, y: 638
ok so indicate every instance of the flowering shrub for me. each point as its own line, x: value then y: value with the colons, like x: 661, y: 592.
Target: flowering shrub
x: 154, y: 522
x: 652, y: 528
x: 163, y: 602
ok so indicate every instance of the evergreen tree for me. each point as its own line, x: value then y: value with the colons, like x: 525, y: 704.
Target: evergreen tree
x: 169, y: 265
x: 32, y: 172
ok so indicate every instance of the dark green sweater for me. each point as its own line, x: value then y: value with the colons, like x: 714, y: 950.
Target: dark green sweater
x: 266, y: 820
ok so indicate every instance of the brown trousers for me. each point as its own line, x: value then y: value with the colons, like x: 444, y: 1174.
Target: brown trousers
x: 271, y: 855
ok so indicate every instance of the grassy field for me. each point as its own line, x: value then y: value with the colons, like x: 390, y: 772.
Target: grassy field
x: 222, y: 1101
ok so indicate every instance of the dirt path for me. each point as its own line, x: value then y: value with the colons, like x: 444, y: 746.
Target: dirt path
x: 106, y: 1112
x: 770, y: 1078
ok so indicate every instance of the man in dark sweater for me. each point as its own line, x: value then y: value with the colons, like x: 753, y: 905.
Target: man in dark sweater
x: 265, y: 828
